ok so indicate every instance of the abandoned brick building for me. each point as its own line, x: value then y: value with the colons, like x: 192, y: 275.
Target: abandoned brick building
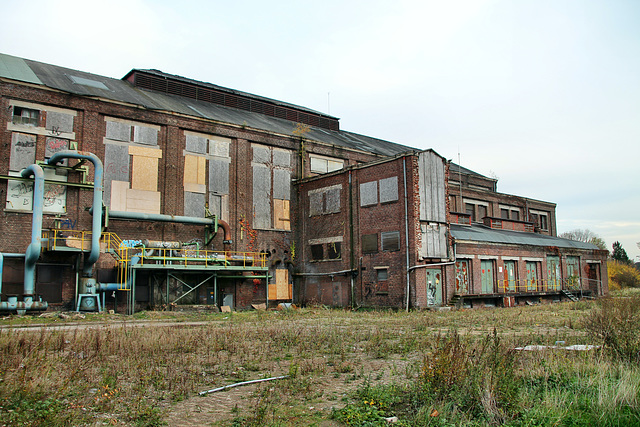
x: 155, y: 190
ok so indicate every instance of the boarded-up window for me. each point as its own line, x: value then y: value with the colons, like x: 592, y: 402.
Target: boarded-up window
x: 370, y: 243
x: 389, y: 189
x: 281, y: 214
x: 369, y: 193
x: 382, y: 274
x: 390, y: 241
x: 131, y: 171
x: 271, y: 187
x: 324, y: 200
x: 282, y: 288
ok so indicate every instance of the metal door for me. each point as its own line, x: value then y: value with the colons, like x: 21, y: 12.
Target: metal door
x: 227, y: 300
x: 510, y: 276
x: 486, y: 267
x: 553, y: 272
x: 462, y: 277
x: 532, y: 276
x: 573, y: 272
x: 434, y: 287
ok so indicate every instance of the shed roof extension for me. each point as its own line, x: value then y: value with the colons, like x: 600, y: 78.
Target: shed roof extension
x: 480, y: 233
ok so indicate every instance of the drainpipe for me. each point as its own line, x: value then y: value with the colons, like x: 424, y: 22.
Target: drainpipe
x: 351, y: 244
x: 406, y: 225
x: 96, y: 229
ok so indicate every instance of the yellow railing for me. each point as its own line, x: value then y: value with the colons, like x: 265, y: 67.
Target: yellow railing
x: 123, y: 251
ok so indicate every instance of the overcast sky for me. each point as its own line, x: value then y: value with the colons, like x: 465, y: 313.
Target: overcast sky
x: 542, y: 94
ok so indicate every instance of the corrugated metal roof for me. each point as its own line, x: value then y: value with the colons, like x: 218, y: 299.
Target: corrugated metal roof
x: 66, y: 79
x: 481, y: 233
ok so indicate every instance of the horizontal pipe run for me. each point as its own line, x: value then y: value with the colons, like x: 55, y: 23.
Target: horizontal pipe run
x: 175, y: 218
x: 139, y: 216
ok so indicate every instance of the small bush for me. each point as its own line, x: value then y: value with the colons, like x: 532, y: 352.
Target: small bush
x: 622, y: 275
x: 616, y: 322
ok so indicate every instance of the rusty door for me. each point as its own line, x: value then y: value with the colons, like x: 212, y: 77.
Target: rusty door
x: 532, y: 276
x: 434, y: 287
x: 510, y: 276
x: 573, y: 272
x: 462, y: 277
x: 553, y: 273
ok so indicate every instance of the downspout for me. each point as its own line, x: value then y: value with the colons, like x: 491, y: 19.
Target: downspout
x: 351, y: 244
x: 406, y: 224
x: 96, y: 229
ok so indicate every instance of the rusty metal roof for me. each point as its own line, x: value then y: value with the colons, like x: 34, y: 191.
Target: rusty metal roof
x: 483, y: 234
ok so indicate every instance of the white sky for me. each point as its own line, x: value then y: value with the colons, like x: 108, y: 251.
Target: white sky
x: 543, y: 94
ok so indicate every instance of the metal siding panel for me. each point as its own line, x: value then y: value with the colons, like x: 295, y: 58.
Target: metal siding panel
x: 261, y: 196
x: 282, y: 158
x: 389, y: 189
x: 116, y: 167
x: 196, y: 144
x: 261, y: 154
x: 145, y: 135
x: 219, y: 176
x: 315, y: 203
x: 281, y: 184
x: 333, y: 200
x: 194, y: 204
x: 23, y: 151
x: 369, y: 193
x: 59, y: 122
x: 118, y: 131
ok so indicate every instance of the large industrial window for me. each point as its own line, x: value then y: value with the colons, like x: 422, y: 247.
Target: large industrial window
x: 25, y: 116
x: 321, y: 164
x: 132, y: 159
x: 390, y: 241
x: 370, y: 243
x: 271, y: 187
x: 539, y: 219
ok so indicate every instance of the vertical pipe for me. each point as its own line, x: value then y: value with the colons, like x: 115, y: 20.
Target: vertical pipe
x: 1, y: 263
x: 33, y: 251
x: 96, y: 230
x: 406, y: 224
x: 351, y: 243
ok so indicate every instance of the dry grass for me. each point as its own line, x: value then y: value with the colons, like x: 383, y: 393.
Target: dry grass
x: 117, y: 373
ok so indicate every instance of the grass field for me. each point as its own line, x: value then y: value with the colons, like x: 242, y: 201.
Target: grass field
x: 345, y: 368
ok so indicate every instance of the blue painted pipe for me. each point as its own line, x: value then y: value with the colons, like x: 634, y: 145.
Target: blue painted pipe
x: 96, y: 230
x: 34, y: 249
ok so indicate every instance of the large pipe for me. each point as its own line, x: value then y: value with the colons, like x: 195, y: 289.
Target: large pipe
x: 34, y: 249
x: 174, y: 218
x: 96, y: 229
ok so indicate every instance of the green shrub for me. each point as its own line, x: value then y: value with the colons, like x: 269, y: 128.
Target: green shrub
x: 616, y: 322
x: 622, y: 275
